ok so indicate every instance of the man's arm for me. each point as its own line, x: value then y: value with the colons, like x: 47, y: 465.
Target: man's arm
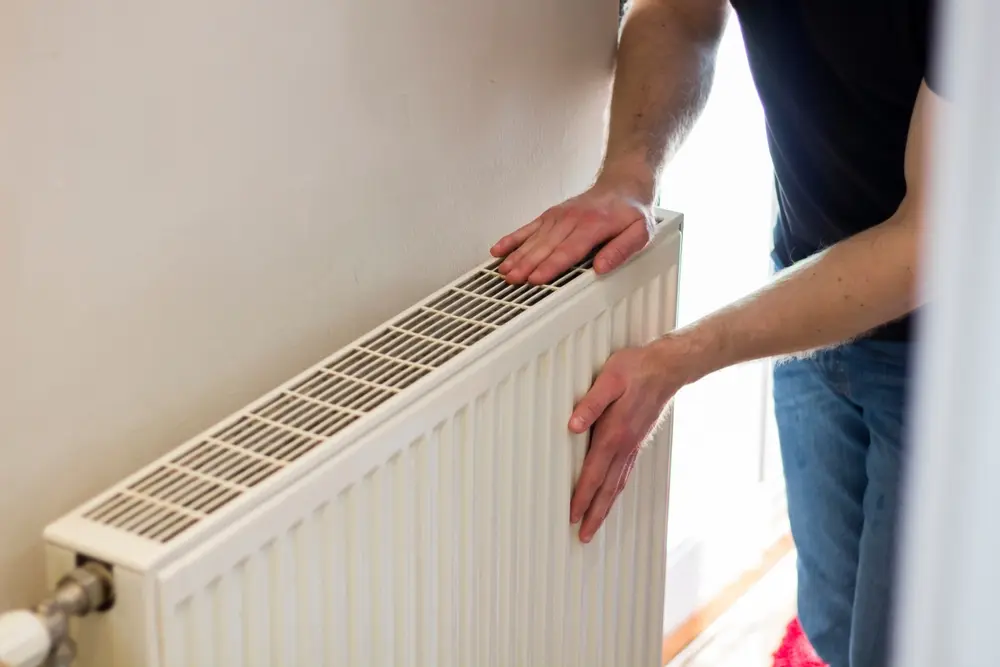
x: 665, y: 64
x: 665, y: 67
x: 843, y: 292
x: 838, y: 294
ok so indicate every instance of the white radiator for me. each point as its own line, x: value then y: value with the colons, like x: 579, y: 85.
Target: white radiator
x: 403, y: 502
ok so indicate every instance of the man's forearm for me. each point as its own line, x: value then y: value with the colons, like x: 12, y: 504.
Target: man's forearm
x: 666, y: 61
x: 836, y: 295
x: 843, y: 292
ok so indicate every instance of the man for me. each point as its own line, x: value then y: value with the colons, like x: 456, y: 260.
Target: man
x: 847, y: 92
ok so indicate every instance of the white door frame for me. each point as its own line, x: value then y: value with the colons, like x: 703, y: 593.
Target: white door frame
x: 950, y: 583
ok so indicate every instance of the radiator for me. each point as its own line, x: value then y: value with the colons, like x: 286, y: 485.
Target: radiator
x: 403, y: 502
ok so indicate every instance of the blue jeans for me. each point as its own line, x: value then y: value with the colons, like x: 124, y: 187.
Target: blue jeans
x: 840, y: 416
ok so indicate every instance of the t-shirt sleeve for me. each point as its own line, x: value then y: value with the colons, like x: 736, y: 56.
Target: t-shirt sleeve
x: 933, y: 65
x: 932, y: 78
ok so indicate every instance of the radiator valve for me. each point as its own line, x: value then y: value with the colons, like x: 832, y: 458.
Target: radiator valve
x: 30, y: 638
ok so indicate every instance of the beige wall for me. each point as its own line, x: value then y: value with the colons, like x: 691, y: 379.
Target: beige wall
x: 198, y: 198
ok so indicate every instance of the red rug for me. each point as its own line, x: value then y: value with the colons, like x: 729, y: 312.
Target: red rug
x: 795, y: 650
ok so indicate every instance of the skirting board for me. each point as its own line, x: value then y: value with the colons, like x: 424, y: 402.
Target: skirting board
x: 707, y: 615
x: 706, y: 570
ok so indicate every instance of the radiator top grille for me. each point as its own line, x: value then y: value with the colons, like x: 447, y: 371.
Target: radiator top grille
x: 210, y: 472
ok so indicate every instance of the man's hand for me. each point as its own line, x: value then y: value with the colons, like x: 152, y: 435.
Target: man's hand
x: 623, y: 407
x: 610, y: 212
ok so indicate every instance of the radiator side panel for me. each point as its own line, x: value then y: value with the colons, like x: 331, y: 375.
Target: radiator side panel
x: 127, y: 633
x: 442, y: 538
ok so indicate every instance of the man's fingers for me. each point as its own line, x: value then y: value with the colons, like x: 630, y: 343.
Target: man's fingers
x: 593, y: 476
x: 515, y: 255
x: 603, y: 442
x: 614, y: 484
x: 539, y: 247
x: 571, y: 250
x: 607, y: 388
x: 622, y: 247
x: 515, y: 258
x: 513, y: 241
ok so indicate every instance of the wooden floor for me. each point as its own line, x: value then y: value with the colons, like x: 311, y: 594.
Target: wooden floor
x: 749, y: 633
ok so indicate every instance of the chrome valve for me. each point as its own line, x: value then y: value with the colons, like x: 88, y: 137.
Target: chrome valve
x: 30, y: 638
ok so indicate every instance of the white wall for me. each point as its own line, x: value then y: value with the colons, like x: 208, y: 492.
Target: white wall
x: 199, y: 198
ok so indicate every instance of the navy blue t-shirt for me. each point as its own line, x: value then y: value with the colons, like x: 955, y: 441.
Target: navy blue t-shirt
x: 838, y: 80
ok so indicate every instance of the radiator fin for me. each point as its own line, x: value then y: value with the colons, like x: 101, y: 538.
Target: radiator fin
x: 257, y: 443
x: 454, y: 551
